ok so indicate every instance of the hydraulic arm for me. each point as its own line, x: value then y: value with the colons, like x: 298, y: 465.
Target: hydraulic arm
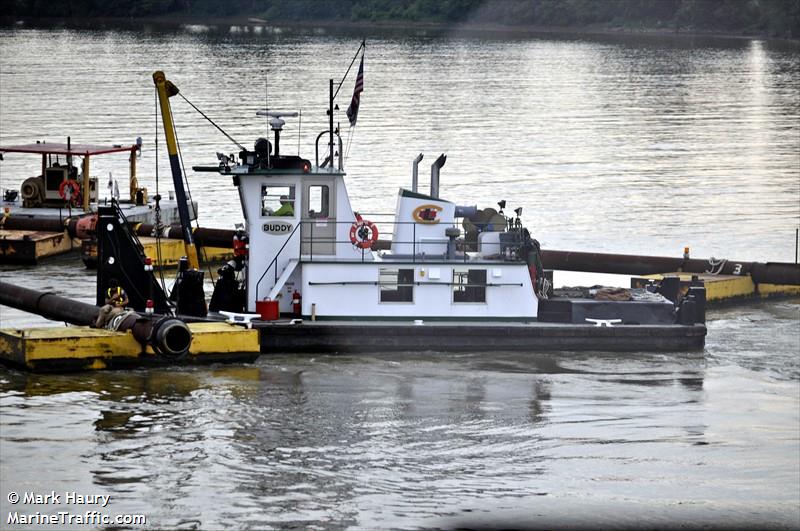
x: 166, y: 90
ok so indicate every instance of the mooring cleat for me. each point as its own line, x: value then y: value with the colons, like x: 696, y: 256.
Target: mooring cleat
x: 604, y: 322
x: 245, y: 319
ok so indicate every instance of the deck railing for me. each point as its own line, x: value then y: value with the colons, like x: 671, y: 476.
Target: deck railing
x: 463, y: 251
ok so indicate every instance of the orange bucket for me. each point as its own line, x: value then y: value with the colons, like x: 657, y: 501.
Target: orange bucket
x: 268, y: 309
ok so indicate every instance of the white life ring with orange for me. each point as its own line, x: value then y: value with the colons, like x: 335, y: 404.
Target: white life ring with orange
x: 363, y: 234
x: 74, y: 193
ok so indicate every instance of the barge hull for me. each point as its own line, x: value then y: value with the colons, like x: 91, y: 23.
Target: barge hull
x: 347, y: 337
x: 726, y: 289
x: 27, y: 247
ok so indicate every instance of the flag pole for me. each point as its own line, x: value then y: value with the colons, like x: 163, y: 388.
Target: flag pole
x: 330, y: 120
x: 362, y: 46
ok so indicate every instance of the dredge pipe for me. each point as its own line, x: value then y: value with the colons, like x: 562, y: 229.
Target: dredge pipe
x: 38, y: 224
x: 207, y: 237
x: 167, y: 335
x: 204, y: 237
x: 627, y: 264
x: 48, y: 305
x: 624, y: 264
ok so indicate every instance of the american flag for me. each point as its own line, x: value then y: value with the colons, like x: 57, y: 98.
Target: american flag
x: 352, y: 110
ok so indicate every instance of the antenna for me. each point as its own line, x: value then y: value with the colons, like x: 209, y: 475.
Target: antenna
x: 266, y: 106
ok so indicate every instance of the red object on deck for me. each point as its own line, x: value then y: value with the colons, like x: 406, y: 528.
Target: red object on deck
x: 268, y: 309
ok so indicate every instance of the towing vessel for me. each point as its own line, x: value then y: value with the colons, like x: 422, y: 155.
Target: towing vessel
x: 452, y: 277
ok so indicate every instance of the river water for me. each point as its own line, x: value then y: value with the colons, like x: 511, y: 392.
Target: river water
x: 617, y: 144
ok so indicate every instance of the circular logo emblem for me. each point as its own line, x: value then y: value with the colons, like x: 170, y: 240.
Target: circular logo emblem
x: 428, y: 214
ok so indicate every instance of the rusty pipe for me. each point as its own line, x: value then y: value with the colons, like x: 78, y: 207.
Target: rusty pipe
x: 204, y: 237
x: 207, y: 237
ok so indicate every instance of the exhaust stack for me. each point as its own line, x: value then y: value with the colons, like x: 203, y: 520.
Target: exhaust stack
x: 415, y: 173
x: 435, y: 167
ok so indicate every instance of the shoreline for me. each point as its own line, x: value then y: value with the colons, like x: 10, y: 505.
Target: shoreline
x: 498, y: 30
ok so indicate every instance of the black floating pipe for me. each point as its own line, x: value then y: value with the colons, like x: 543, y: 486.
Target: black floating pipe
x: 167, y: 335
x: 626, y: 264
x: 48, y: 305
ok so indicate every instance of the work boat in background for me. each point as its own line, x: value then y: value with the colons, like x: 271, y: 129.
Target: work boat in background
x: 55, y: 211
x: 451, y: 278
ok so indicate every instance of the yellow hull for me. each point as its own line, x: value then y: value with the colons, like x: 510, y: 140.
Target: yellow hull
x: 81, y: 348
x: 728, y: 288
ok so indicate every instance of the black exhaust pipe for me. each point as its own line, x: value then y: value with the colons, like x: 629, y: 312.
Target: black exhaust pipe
x: 435, y: 167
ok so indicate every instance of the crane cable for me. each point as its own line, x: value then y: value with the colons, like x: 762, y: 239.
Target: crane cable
x: 212, y: 122
x: 188, y: 190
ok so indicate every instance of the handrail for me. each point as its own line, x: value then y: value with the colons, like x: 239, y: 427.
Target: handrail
x: 275, y: 260
x: 316, y: 148
x: 411, y: 284
x: 416, y: 245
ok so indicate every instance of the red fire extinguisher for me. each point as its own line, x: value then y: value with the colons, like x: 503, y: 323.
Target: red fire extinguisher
x: 296, y: 303
x: 240, y: 244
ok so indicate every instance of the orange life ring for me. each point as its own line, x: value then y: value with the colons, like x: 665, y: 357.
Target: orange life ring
x: 363, y: 234
x: 74, y: 186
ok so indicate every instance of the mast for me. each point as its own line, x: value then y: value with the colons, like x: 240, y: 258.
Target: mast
x: 330, y: 121
x: 165, y: 90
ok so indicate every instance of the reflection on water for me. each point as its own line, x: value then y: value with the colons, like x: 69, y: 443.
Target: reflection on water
x: 612, y: 143
x: 406, y: 441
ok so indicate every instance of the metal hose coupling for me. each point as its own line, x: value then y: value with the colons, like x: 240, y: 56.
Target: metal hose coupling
x: 170, y: 337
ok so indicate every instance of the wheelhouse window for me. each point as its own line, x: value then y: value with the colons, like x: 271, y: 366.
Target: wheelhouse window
x: 277, y: 200
x: 469, y: 285
x: 318, y: 201
x: 397, y: 285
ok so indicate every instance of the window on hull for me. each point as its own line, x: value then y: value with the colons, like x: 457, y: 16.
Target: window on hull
x: 397, y: 285
x: 469, y: 285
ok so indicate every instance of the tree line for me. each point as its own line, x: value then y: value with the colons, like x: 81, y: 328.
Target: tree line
x: 779, y: 18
